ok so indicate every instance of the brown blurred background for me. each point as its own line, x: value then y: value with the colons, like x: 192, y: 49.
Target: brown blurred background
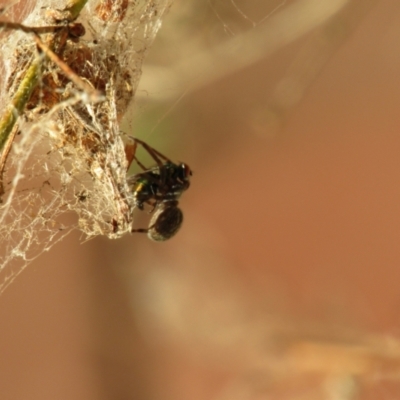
x: 284, y: 280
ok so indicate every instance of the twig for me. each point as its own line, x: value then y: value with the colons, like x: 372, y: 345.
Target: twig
x: 94, y: 95
x: 28, y: 29
x: 31, y: 78
x: 21, y: 97
x: 4, y: 157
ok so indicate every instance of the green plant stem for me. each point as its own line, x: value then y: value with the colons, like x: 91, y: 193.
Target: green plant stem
x: 28, y: 83
x: 21, y: 97
x: 75, y: 7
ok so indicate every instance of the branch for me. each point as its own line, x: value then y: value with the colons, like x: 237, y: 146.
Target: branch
x: 31, y: 78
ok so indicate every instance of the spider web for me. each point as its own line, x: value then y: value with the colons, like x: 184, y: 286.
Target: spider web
x: 68, y: 155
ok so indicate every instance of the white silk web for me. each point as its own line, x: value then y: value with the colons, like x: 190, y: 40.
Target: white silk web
x: 68, y: 154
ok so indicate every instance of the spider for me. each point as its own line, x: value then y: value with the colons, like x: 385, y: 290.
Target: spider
x: 159, y: 186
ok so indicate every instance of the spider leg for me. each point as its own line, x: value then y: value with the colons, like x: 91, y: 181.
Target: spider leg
x: 130, y: 152
x: 143, y: 230
x: 140, y: 164
x: 154, y: 205
x: 157, y: 156
x: 140, y: 230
